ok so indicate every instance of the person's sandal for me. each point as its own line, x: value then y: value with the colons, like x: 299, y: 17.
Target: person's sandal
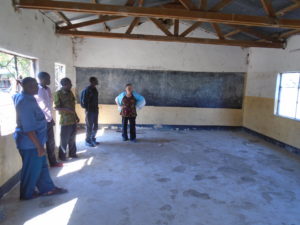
x: 55, y: 191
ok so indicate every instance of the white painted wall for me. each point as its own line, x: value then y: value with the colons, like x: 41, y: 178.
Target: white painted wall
x: 31, y: 34
x: 132, y: 54
x: 265, y: 64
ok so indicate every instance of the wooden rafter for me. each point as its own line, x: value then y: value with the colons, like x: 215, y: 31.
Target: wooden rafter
x: 254, y: 33
x: 218, y: 30
x: 190, y: 29
x: 161, y: 26
x: 263, y: 37
x: 170, y: 39
x: 287, y: 9
x: 132, y: 25
x: 64, y: 18
x: 176, y: 27
x: 91, y: 22
x: 221, y: 4
x: 135, y: 21
x: 210, y: 17
x: 231, y: 33
x: 203, y: 5
x: 267, y: 5
x: 187, y: 4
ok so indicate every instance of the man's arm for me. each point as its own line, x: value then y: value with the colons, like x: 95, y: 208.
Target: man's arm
x: 40, y: 148
x: 57, y: 105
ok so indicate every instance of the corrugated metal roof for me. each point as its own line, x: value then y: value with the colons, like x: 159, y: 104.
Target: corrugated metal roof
x: 247, y: 7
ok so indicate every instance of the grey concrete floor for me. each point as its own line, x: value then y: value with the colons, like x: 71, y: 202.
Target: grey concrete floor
x: 169, y: 177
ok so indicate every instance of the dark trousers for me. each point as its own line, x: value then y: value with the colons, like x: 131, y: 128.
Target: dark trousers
x: 67, y: 139
x: 34, y: 173
x: 91, y: 121
x: 50, y: 144
x: 132, y: 127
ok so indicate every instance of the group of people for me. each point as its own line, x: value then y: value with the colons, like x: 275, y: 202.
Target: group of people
x: 34, y: 133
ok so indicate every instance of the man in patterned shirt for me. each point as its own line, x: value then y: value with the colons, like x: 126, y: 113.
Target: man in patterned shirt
x: 64, y: 102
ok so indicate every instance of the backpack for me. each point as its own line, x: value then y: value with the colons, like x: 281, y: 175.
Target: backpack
x: 83, y: 98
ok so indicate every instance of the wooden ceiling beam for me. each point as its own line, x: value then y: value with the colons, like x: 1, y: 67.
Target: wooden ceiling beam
x: 287, y: 9
x: 193, y: 15
x: 267, y: 5
x: 91, y: 22
x: 203, y: 5
x: 255, y: 33
x: 216, y: 7
x: 220, y: 5
x: 231, y: 33
x: 176, y: 27
x: 188, y: 4
x: 190, y: 29
x: 170, y: 39
x: 218, y: 31
x: 64, y: 18
x: 161, y: 26
x: 132, y: 25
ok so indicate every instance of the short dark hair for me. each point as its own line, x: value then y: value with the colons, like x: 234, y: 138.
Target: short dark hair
x: 93, y: 79
x: 43, y: 75
x: 27, y: 80
x: 64, y: 81
x: 129, y: 84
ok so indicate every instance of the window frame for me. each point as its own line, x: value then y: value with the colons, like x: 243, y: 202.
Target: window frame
x: 278, y: 95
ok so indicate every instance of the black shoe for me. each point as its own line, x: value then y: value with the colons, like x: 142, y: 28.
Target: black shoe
x: 74, y: 156
x: 95, y: 142
x: 89, y: 144
x: 62, y: 158
x: 125, y: 139
x: 133, y: 140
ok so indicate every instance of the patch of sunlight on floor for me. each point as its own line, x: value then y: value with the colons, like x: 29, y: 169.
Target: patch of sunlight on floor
x: 72, y: 167
x: 90, y: 160
x: 58, y: 215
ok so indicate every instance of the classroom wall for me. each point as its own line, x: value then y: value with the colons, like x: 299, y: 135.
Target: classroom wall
x: 31, y: 34
x: 264, y: 66
x: 145, y: 55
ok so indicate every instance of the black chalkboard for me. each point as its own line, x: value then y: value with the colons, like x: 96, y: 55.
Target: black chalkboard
x: 168, y: 88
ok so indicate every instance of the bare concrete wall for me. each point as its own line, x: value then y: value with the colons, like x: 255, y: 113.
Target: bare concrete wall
x: 29, y: 33
x: 264, y: 66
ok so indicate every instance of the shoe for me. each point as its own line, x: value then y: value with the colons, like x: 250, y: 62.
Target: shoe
x: 74, y: 156
x: 96, y: 143
x: 90, y: 144
x: 133, y: 140
x: 63, y: 158
x: 59, y: 164
x: 125, y: 139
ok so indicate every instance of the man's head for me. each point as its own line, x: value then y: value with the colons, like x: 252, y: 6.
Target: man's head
x: 129, y: 88
x: 30, y: 86
x: 44, y: 78
x: 93, y: 81
x: 66, y: 84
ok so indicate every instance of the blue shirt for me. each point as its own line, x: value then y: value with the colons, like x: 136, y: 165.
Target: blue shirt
x: 30, y: 117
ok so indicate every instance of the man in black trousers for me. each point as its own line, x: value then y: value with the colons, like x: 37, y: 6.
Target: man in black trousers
x: 45, y: 101
x: 89, y: 101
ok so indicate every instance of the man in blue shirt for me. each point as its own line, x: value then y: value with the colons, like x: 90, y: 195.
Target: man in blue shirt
x: 30, y: 137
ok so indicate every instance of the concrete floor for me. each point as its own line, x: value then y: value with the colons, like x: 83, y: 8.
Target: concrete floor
x: 169, y: 177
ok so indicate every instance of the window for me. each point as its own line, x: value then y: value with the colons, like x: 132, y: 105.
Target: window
x: 13, y: 68
x: 288, y: 95
x: 60, y: 72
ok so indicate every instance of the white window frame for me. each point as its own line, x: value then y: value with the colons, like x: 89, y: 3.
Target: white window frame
x: 278, y: 95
